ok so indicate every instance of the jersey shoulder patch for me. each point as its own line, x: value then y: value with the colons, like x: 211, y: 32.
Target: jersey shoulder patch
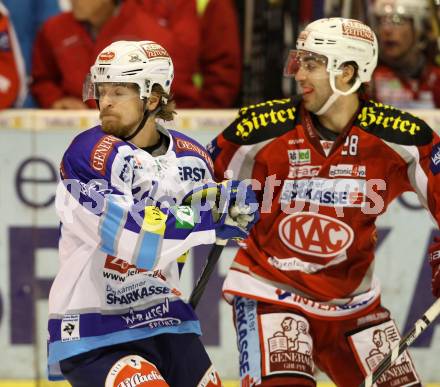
x: 184, y: 145
x: 91, y: 150
x: 393, y: 125
x: 263, y: 121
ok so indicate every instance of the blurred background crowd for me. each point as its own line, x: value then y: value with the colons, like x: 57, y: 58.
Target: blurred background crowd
x: 226, y: 53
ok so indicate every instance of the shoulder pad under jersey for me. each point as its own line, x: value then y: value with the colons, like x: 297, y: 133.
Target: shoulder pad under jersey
x: 263, y: 121
x: 393, y: 125
x: 90, y: 152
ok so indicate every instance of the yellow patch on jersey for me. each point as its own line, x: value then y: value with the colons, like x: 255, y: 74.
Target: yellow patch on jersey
x: 183, y: 257
x: 377, y: 115
x: 154, y: 220
x: 272, y: 113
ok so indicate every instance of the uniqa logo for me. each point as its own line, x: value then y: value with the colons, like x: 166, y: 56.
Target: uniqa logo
x: 138, y: 378
x: 315, y: 234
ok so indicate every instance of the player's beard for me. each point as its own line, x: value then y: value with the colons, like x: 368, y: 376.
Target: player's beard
x: 115, y: 127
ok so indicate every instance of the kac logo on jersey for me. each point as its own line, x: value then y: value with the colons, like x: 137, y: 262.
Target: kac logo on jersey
x: 315, y: 234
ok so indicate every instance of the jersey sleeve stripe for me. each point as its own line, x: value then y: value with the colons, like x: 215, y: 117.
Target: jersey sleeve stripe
x: 240, y: 168
x: 147, y: 256
x: 107, y: 230
x: 112, y: 221
x: 417, y: 177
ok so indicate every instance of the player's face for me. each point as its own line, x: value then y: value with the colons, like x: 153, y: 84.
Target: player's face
x: 121, y: 109
x: 396, y: 37
x: 313, y: 82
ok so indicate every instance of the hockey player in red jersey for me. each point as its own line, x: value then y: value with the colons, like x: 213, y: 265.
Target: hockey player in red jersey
x: 325, y: 165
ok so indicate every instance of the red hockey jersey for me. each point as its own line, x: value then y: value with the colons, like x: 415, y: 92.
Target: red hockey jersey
x: 313, y: 247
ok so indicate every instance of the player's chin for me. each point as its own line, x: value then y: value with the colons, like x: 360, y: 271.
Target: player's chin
x: 111, y: 127
x: 310, y: 105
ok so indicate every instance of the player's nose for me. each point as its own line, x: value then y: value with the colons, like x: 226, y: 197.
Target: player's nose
x: 300, y: 74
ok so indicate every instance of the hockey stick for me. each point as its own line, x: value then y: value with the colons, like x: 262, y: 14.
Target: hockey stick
x: 420, y: 325
x: 211, y: 261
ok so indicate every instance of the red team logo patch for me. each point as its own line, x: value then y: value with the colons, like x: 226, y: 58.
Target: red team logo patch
x: 357, y: 30
x: 287, y: 344
x: 106, y: 56
x: 315, y: 234
x: 154, y: 51
x: 373, y: 344
x: 132, y: 371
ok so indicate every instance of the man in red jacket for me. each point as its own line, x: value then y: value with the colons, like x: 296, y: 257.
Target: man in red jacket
x: 68, y: 43
x: 220, y: 54
x: 10, y: 61
x: 218, y: 73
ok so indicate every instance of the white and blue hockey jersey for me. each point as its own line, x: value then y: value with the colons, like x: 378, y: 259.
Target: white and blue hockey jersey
x: 123, y: 227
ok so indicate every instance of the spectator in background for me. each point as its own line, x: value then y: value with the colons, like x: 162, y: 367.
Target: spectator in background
x: 406, y: 77
x: 27, y: 16
x: 220, y: 56
x: 12, y: 78
x: 67, y: 44
x: 218, y: 73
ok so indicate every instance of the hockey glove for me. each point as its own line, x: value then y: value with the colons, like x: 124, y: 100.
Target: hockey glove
x: 238, y: 209
x: 434, y: 261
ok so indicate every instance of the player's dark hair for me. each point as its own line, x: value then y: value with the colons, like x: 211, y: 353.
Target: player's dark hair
x: 362, y: 87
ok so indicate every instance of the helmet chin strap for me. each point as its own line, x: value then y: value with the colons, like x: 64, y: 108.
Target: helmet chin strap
x: 147, y: 114
x: 336, y: 93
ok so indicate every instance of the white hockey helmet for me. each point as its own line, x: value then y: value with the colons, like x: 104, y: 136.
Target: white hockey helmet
x: 417, y: 10
x: 341, y: 41
x: 144, y: 63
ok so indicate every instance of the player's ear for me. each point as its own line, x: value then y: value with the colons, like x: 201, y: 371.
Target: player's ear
x: 348, y: 73
x: 153, y: 102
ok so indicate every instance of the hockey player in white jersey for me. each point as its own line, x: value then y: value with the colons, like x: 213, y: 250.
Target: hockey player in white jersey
x: 116, y: 314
